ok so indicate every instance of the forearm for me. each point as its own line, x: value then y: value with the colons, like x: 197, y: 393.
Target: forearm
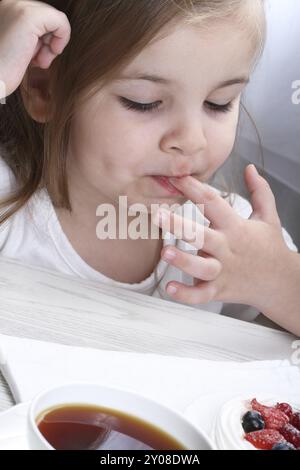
x: 282, y: 303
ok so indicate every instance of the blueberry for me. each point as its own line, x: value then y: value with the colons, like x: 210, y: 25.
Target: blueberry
x: 252, y: 421
x: 283, y: 446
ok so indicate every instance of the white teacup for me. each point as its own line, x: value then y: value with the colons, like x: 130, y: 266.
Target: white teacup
x: 133, y: 404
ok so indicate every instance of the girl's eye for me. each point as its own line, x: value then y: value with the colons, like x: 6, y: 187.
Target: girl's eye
x: 148, y: 107
x: 141, y: 107
x: 218, y: 108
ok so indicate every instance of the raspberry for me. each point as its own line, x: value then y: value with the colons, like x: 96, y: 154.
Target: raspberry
x: 258, y: 406
x: 291, y: 434
x: 273, y: 417
x: 295, y: 420
x: 264, y: 439
x: 285, y: 408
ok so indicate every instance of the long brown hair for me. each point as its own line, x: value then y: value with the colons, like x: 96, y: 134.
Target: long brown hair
x: 106, y: 35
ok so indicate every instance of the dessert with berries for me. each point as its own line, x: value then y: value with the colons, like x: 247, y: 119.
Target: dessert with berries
x: 274, y: 427
x: 258, y: 424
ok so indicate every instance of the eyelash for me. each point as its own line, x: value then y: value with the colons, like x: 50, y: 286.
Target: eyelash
x: 150, y: 107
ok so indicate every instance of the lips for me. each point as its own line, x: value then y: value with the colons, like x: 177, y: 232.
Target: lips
x: 176, y: 176
x: 165, y: 183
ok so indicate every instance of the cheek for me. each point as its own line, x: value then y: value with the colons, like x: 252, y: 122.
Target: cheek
x: 124, y: 137
x: 221, y: 137
x: 112, y: 140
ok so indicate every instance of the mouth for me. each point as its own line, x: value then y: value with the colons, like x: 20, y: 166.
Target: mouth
x: 164, y: 182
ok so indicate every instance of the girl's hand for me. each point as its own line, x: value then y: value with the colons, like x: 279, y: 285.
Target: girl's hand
x: 240, y: 260
x: 31, y: 32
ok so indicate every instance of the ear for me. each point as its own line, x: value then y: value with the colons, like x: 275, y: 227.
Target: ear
x: 36, y: 93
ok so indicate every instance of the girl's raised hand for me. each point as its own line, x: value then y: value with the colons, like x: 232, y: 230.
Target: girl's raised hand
x: 240, y: 260
x: 31, y: 32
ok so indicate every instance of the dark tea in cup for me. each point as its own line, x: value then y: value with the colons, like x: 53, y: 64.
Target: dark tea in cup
x: 88, y: 427
x: 95, y: 416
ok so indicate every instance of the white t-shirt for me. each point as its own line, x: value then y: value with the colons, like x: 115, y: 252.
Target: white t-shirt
x: 34, y: 236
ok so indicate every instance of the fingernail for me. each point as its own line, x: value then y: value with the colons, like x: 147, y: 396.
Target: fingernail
x: 172, y: 290
x: 254, y: 168
x: 169, y: 255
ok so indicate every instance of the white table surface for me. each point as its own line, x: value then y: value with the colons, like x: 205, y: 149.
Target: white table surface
x: 40, y: 304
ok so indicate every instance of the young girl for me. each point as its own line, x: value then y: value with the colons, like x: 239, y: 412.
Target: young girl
x: 141, y: 92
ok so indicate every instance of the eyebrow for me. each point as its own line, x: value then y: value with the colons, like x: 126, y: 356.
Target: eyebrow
x: 165, y: 81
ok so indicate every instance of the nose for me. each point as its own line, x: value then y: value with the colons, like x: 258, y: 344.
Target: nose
x: 185, y: 138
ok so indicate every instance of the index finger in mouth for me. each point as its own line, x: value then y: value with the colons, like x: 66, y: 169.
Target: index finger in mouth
x: 216, y: 209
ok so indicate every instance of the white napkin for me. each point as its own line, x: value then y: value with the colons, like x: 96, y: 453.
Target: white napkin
x: 31, y: 366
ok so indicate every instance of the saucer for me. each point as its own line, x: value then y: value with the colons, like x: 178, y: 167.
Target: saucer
x: 13, y: 428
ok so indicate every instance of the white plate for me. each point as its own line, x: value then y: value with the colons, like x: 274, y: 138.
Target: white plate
x: 226, y: 428
x: 13, y: 428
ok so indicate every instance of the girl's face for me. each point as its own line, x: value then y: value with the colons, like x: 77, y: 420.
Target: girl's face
x: 188, y: 126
